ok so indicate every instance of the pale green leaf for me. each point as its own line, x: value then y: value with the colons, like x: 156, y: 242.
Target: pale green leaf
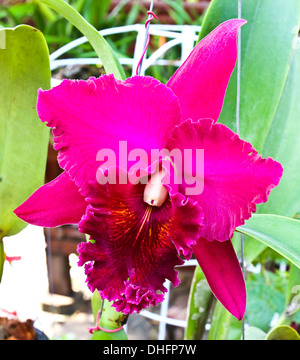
x: 24, y: 68
x: 253, y: 333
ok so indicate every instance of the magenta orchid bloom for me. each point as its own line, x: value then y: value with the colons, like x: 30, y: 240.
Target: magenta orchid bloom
x: 141, y: 231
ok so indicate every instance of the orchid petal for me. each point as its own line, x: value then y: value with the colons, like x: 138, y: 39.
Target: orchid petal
x: 201, y: 82
x: 55, y: 203
x: 232, y: 180
x: 87, y: 116
x: 222, y: 270
x: 136, y: 245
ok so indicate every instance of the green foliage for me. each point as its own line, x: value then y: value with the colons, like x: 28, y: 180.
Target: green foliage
x: 224, y: 326
x: 278, y: 333
x: 24, y: 68
x: 292, y: 302
x: 56, y: 30
x: 270, y: 70
x: 96, y: 304
x: 266, y: 292
x: 178, y: 14
x: 109, y: 60
x: 282, y: 143
x: 267, y: 48
x: 280, y: 233
x: 100, y: 15
x: 97, y: 13
x: 253, y: 333
x: 200, y: 303
x: 265, y: 297
x: 269, y: 119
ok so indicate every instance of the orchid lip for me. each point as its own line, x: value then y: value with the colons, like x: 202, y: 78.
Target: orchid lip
x: 155, y: 194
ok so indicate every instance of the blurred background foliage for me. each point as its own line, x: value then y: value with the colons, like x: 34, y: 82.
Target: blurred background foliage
x: 102, y: 15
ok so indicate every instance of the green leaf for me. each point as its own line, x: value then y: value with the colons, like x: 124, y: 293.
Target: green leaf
x: 268, y: 44
x: 200, y: 301
x: 269, y: 93
x: 267, y: 47
x: 292, y: 304
x: 283, y: 144
x: 265, y: 297
x: 24, y: 68
x: 283, y: 333
x: 47, y: 13
x: 280, y: 233
x: 292, y: 296
x: 105, y: 53
x: 96, y: 303
x: 254, y: 333
x: 224, y: 326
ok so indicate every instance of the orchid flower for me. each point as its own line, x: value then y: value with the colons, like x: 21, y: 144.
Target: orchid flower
x: 140, y: 231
